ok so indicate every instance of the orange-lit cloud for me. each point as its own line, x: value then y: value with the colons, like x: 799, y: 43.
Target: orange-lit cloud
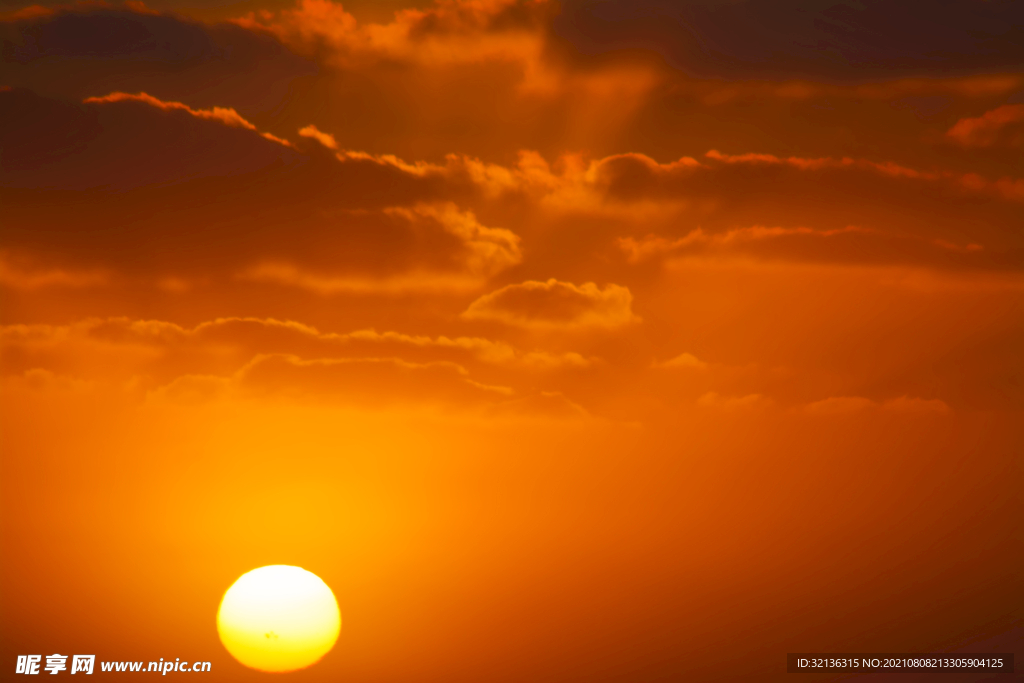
x: 582, y: 185
x: 325, y: 139
x: 555, y: 304
x: 236, y: 359
x: 1001, y: 126
x: 448, y: 32
x: 227, y: 116
x: 970, y: 181
x: 802, y: 243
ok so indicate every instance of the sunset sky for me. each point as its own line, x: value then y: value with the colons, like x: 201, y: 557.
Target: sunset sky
x: 593, y: 340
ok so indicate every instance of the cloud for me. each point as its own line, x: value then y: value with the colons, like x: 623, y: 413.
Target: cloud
x: 970, y: 181
x: 107, y: 33
x: 163, y: 349
x: 121, y: 141
x: 29, y: 276
x: 722, y: 190
x: 491, y: 55
x: 311, y: 231
x: 916, y: 405
x: 44, y: 381
x: 273, y: 359
x: 851, y: 244
x: 720, y: 93
x: 231, y: 358
x: 447, y: 33
x: 363, y: 382
x: 361, y: 222
x: 393, y: 81
x: 843, y: 405
x: 546, y: 404
x: 619, y: 184
x: 1002, y: 126
x: 85, y: 49
x: 303, y: 193
x: 267, y: 359
x: 684, y: 361
x: 805, y: 164
x: 325, y: 139
x: 838, y: 405
x: 826, y: 41
x: 427, y: 247
x: 730, y: 403
x: 634, y: 178
x: 227, y: 116
x: 555, y: 304
x: 29, y: 12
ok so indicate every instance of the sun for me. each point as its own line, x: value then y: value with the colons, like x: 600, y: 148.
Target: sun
x: 278, y: 618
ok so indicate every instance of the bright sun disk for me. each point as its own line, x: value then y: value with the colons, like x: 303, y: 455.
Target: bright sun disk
x: 278, y: 618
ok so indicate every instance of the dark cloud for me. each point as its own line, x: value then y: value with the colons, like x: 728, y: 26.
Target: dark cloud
x: 40, y: 131
x: 80, y: 51
x: 124, y: 143
x: 722, y: 199
x: 488, y: 78
x: 110, y: 34
x: 202, y: 193
x: 820, y: 39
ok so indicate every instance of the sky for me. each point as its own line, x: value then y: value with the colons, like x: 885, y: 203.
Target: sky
x: 594, y: 340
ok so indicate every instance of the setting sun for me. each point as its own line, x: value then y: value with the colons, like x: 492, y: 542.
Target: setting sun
x: 278, y: 618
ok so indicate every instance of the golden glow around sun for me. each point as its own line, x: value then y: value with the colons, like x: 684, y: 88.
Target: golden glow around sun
x: 278, y: 618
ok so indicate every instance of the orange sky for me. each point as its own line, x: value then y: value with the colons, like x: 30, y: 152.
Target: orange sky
x: 580, y: 341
